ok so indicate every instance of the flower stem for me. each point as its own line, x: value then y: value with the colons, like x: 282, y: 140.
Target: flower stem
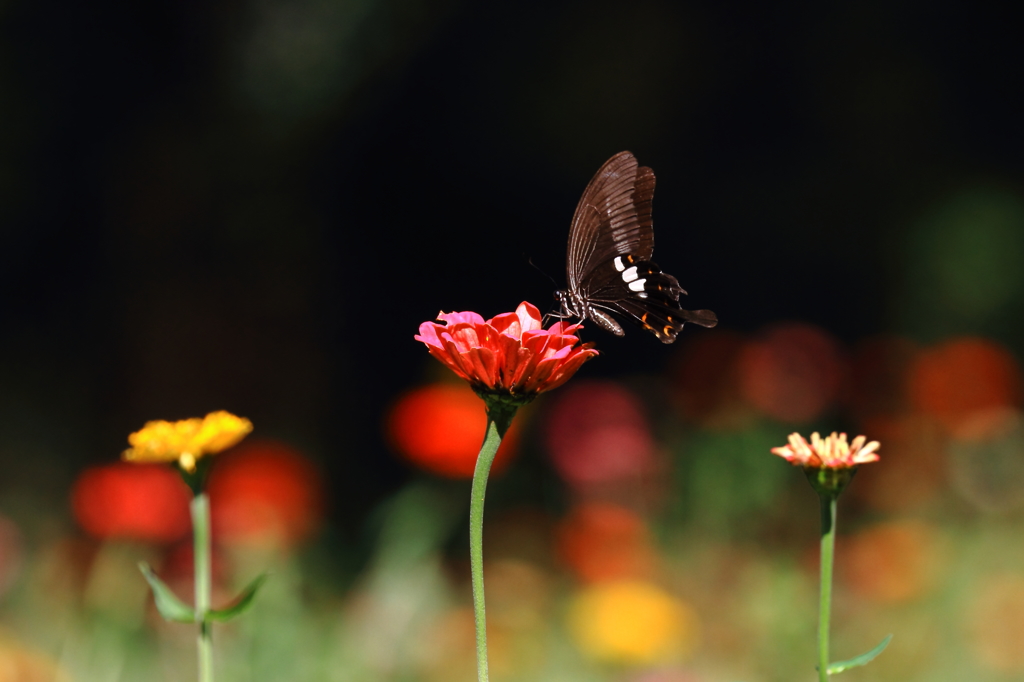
x: 499, y: 418
x: 200, y: 508
x: 828, y: 545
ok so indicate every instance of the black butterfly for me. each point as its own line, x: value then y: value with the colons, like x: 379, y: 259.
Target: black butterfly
x: 608, y: 264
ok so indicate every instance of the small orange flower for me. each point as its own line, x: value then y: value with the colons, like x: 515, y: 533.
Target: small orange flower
x: 828, y: 453
x: 187, y: 440
x: 510, y: 354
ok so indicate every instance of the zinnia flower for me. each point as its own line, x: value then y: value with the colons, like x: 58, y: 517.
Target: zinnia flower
x: 828, y: 453
x: 510, y: 354
x: 187, y: 440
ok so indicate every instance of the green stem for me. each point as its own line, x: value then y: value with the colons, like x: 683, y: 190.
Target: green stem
x: 200, y: 508
x: 499, y: 418
x: 828, y: 545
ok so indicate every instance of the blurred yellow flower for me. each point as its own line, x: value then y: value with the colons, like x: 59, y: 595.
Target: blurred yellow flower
x: 631, y: 622
x: 187, y: 440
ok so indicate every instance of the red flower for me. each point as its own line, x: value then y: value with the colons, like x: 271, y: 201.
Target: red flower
x: 508, y: 354
x: 827, y: 453
x: 265, y: 493
x: 136, y: 501
x: 440, y: 428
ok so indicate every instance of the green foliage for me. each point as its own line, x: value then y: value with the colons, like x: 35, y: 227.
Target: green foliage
x: 242, y: 602
x: 167, y: 603
x: 863, y: 659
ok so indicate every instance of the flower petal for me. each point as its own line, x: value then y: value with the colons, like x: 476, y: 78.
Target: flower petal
x: 485, y: 365
x: 529, y: 316
x: 429, y: 334
x: 510, y: 358
x: 564, y: 372
x: 833, y: 452
x: 465, y: 337
x: 461, y: 318
x: 451, y: 360
x: 507, y: 324
x: 456, y: 360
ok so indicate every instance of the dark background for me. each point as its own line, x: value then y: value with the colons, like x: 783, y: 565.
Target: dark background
x: 251, y: 205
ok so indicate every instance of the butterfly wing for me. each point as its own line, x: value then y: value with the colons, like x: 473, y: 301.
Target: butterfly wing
x: 609, y: 266
x: 650, y: 298
x: 613, y: 218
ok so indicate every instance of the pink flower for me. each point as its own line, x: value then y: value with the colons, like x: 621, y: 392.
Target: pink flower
x: 828, y: 453
x: 508, y: 354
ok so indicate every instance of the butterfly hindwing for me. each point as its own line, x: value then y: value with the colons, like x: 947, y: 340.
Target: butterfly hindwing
x: 653, y: 298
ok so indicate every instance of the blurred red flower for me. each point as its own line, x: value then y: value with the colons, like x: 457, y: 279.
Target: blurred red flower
x: 706, y: 381
x: 507, y: 354
x: 962, y: 377
x: 440, y: 428
x: 832, y: 452
x: 264, y: 492
x: 598, y: 432
x: 878, y: 379
x: 133, y: 501
x: 793, y: 373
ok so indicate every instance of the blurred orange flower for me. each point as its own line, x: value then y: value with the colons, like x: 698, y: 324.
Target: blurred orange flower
x: 19, y: 663
x: 138, y: 502
x: 827, y: 453
x: 606, y: 542
x: 187, y: 440
x: 440, y: 428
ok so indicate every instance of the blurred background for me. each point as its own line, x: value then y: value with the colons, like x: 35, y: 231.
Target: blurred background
x: 251, y: 205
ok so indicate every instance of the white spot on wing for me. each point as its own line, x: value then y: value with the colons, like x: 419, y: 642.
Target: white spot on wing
x: 618, y: 264
x: 629, y: 275
x: 637, y: 285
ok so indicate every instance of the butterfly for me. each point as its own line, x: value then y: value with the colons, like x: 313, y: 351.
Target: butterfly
x: 608, y: 262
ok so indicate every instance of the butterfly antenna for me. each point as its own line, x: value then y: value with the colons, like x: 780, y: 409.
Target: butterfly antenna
x: 529, y: 259
x: 548, y: 315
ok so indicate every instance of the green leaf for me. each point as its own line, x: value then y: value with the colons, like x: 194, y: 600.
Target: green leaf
x: 241, y: 603
x: 169, y: 606
x: 863, y: 659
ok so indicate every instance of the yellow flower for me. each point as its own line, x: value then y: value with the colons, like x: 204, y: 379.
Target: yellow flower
x: 631, y: 622
x: 187, y: 440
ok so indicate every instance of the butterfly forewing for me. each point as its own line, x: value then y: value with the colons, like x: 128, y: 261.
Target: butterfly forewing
x: 613, y: 218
